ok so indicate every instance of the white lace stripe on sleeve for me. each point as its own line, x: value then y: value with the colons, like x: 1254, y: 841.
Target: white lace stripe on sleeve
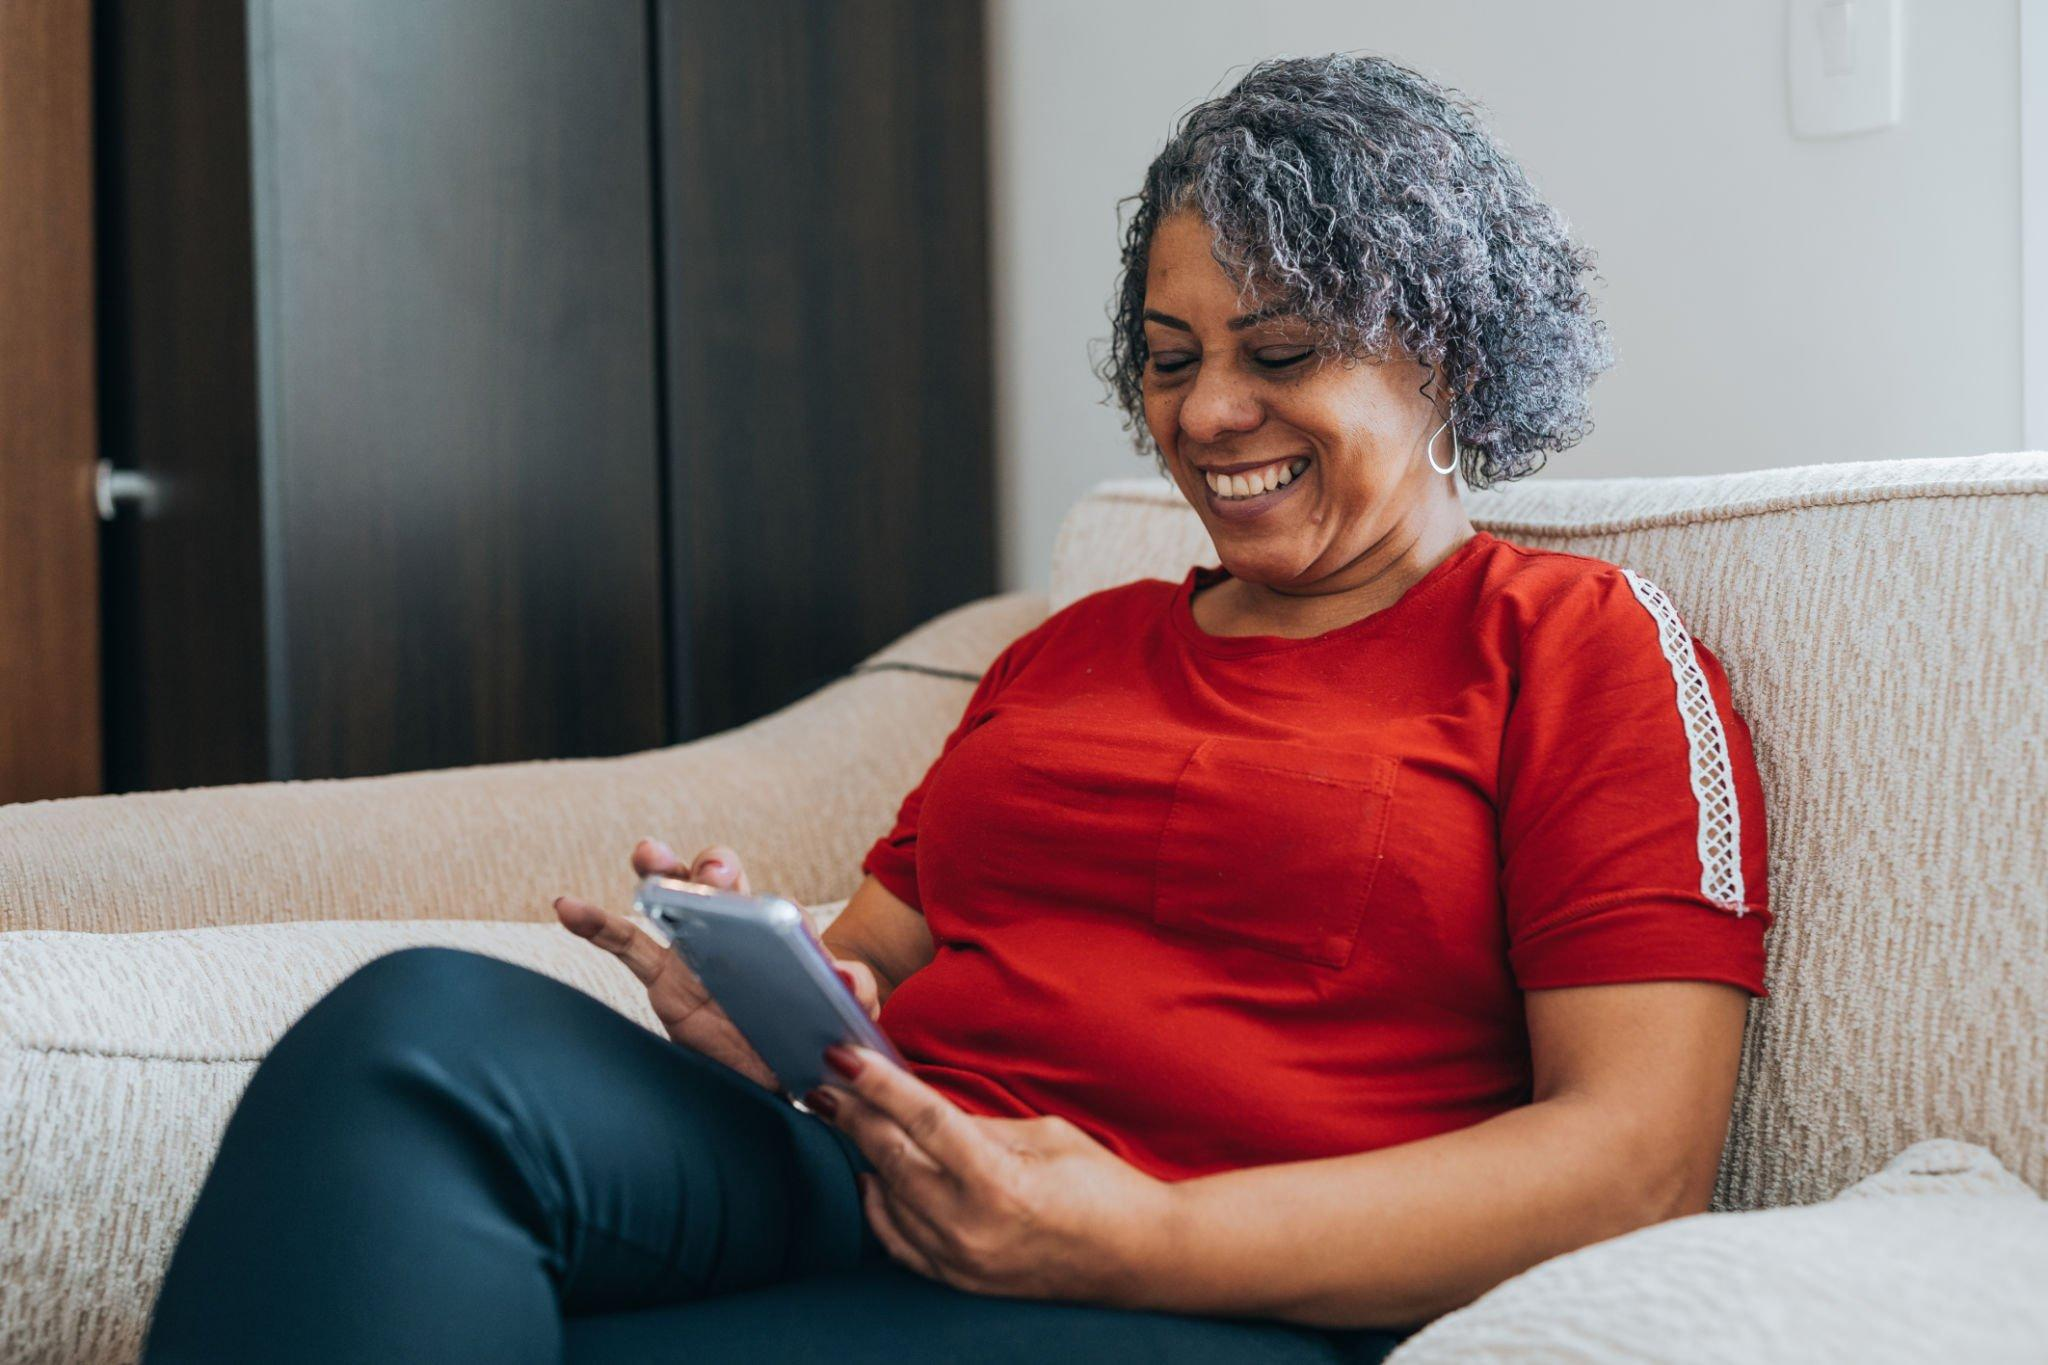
x: 1713, y: 776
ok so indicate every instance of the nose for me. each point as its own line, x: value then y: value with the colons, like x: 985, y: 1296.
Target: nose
x: 1219, y: 402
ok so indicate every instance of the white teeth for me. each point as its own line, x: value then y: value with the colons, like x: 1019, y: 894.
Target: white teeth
x: 1261, y: 480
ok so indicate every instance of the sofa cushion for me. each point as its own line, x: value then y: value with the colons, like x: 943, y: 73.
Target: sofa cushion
x: 121, y: 1056
x: 1940, y: 1256
x: 1880, y: 623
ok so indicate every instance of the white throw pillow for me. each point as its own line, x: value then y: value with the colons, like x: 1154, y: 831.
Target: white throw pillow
x: 1941, y: 1256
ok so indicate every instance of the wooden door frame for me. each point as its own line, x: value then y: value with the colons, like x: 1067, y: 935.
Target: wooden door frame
x: 50, y: 711
x: 2033, y: 224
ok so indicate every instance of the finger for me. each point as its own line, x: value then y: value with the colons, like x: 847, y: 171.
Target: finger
x: 617, y: 935
x: 887, y: 1147
x: 653, y: 858
x: 928, y: 1202
x: 890, y: 1234
x: 922, y: 1230
x: 579, y: 917
x: 938, y: 1127
x: 719, y: 866
x: 860, y: 979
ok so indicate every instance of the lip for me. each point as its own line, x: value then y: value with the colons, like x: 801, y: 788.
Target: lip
x: 1250, y: 465
x: 1256, y: 506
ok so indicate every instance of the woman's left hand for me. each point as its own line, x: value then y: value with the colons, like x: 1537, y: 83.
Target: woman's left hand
x: 1029, y: 1208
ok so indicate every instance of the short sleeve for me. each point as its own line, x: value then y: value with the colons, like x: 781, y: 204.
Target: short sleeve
x: 1632, y: 831
x: 892, y: 859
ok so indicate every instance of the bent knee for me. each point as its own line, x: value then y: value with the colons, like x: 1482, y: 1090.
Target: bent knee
x: 428, y: 972
x: 411, y: 970
x: 437, y: 1016
x: 415, y: 995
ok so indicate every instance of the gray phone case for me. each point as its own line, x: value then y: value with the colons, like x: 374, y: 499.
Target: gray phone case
x: 771, y: 976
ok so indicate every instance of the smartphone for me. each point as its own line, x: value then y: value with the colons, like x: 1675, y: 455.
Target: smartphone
x: 763, y: 964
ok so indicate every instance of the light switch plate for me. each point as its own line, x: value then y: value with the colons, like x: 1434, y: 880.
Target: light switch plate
x: 1845, y: 65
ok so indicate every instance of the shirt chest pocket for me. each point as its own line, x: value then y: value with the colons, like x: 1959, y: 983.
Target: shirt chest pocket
x: 1274, y: 845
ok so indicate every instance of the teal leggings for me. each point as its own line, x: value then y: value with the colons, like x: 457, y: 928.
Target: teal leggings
x: 450, y: 1158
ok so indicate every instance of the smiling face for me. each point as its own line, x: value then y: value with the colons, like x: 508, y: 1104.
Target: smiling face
x: 1302, y: 468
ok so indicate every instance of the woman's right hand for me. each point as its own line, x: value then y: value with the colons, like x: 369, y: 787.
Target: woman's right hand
x: 685, y: 1009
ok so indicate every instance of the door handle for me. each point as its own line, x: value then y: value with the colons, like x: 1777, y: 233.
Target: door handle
x: 114, y: 487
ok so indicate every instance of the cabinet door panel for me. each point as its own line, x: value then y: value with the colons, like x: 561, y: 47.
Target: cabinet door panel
x: 826, y: 271
x: 456, y: 359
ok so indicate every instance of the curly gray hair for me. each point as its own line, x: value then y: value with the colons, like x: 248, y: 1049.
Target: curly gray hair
x: 1367, y: 199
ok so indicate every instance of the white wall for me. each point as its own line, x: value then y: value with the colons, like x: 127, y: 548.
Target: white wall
x: 1773, y: 300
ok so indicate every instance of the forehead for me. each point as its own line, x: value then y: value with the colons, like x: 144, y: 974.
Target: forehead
x: 1181, y: 256
x: 1183, y: 277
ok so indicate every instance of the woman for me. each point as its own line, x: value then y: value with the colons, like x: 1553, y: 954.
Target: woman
x: 1283, y: 956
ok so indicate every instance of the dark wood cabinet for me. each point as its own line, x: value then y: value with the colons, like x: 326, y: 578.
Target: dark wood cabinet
x: 829, y: 409
x: 528, y: 378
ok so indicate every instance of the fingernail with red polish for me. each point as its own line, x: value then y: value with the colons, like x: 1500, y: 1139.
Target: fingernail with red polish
x: 843, y: 1060
x: 847, y: 977
x: 822, y: 1101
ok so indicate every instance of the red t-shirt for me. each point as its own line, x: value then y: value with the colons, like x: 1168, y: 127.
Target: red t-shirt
x: 1230, y: 901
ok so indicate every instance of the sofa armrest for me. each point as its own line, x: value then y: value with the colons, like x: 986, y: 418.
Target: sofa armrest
x: 121, y: 1057
x: 800, y: 793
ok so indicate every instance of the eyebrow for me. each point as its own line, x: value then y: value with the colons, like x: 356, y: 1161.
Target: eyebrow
x: 1236, y: 324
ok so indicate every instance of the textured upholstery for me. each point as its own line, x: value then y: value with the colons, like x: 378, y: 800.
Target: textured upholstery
x: 801, y: 793
x: 1941, y: 1256
x: 1880, y: 623
x: 1877, y: 625
x: 120, y: 1087
x: 124, y: 1055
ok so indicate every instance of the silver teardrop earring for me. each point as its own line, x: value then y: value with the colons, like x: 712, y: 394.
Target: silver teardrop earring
x: 1457, y: 451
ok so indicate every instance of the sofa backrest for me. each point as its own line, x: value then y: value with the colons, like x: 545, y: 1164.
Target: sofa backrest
x: 1881, y: 624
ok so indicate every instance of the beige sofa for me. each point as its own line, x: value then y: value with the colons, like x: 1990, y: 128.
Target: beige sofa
x: 1881, y: 624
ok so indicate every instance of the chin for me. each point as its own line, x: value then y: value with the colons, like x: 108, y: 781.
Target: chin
x: 1267, y: 570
